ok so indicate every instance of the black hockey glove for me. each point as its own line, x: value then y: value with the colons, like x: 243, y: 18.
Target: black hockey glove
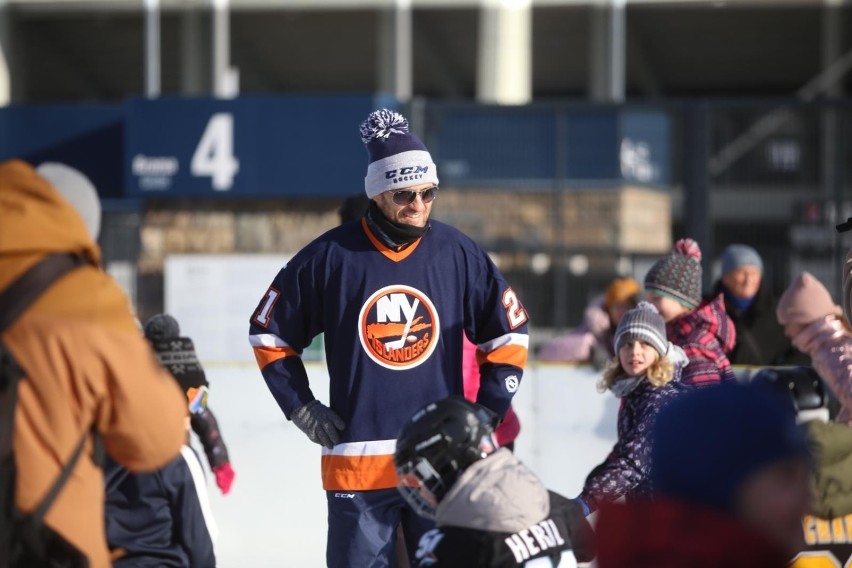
x: 321, y: 424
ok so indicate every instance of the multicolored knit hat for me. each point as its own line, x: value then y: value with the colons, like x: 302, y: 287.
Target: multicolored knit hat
x: 398, y: 159
x: 646, y: 324
x: 678, y: 275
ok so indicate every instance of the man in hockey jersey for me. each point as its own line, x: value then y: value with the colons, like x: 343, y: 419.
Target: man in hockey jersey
x: 393, y: 293
x: 490, y: 509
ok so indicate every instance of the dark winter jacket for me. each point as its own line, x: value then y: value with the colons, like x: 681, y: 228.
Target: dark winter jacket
x: 499, y: 514
x: 625, y: 471
x: 206, y: 428
x: 760, y: 338
x: 160, y: 519
x: 662, y: 533
x: 706, y: 334
x: 827, y: 530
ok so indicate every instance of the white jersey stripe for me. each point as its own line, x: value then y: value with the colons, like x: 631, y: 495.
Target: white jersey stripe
x: 267, y: 340
x: 200, y: 483
x: 520, y: 339
x: 370, y: 448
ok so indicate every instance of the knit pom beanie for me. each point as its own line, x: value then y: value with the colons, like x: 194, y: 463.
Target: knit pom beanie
x: 678, y: 274
x: 175, y: 353
x: 805, y: 301
x: 397, y: 158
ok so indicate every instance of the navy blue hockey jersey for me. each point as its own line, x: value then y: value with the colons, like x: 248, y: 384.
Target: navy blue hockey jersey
x: 393, y: 324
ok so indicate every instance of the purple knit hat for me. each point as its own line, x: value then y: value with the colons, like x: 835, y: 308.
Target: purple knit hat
x: 398, y: 159
x: 678, y: 274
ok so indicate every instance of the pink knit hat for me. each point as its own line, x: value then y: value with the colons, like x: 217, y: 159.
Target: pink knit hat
x: 805, y: 301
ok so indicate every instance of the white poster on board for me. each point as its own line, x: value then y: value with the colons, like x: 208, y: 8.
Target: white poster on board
x: 213, y: 297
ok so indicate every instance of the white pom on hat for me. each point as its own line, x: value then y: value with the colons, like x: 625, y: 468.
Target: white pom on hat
x: 381, y: 123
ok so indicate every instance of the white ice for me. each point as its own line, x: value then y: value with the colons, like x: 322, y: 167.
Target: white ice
x: 275, y: 515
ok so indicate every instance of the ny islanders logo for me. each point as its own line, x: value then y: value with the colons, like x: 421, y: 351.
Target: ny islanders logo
x: 398, y: 327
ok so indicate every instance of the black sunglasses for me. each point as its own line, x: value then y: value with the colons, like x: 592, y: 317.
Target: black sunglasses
x: 407, y: 196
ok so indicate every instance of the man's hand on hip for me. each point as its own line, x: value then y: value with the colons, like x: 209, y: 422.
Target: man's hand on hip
x: 321, y: 424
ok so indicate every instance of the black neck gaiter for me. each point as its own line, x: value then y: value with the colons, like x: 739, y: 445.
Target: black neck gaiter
x: 392, y: 235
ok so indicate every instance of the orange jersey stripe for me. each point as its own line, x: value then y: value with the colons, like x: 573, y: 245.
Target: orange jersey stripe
x: 358, y: 473
x: 393, y: 255
x: 266, y: 355
x: 506, y: 355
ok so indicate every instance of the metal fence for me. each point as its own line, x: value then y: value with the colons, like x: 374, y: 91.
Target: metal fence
x: 546, y: 188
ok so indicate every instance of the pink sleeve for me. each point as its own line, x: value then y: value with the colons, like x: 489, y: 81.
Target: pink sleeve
x: 509, y: 429
x: 511, y: 426
x: 470, y: 370
x: 572, y: 348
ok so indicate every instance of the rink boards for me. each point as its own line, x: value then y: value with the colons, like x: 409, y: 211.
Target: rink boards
x: 275, y: 514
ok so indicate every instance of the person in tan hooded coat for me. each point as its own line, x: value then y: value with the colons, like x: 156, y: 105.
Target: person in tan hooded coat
x: 86, y: 363
x: 816, y: 325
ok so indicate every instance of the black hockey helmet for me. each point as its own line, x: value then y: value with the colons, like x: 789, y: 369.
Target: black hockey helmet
x: 810, y: 396
x: 436, y: 445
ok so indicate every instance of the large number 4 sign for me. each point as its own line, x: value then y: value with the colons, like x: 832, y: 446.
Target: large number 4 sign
x: 214, y: 155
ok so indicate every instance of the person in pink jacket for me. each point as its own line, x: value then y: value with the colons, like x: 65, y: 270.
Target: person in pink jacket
x: 847, y: 287
x: 592, y: 341
x: 815, y: 324
x: 508, y: 430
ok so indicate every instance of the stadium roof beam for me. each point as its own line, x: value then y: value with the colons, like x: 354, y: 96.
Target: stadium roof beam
x: 152, y: 48
x: 445, y: 71
x: 395, y: 54
x: 504, y: 68
x: 113, y: 5
x: 6, y: 54
x: 608, y: 59
x: 646, y: 76
x: 193, y: 77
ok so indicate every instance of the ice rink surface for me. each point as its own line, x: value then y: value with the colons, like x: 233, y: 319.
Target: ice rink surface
x: 275, y: 515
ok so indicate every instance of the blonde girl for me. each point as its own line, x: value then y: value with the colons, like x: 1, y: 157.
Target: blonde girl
x: 645, y: 374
